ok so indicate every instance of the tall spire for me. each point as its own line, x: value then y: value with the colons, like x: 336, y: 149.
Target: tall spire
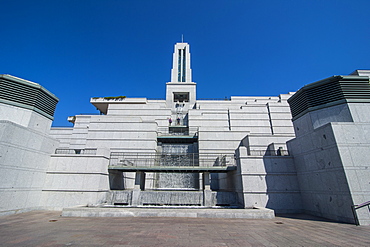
x: 181, y: 71
x: 181, y: 90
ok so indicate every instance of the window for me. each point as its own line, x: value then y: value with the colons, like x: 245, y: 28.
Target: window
x: 181, y: 97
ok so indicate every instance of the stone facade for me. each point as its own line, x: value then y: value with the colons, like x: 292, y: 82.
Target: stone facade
x: 331, y: 149
x: 25, y: 144
x: 213, y: 128
x: 241, y: 151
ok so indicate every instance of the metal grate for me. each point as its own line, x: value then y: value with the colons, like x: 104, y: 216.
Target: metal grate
x: 27, y: 95
x: 331, y: 91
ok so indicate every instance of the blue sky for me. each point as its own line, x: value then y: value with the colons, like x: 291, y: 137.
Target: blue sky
x: 79, y: 49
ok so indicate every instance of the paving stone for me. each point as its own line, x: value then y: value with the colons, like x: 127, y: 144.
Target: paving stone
x: 46, y: 228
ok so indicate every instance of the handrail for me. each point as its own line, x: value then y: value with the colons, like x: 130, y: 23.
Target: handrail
x: 178, y: 130
x: 355, y: 207
x: 91, y: 151
x: 170, y: 159
x: 278, y: 152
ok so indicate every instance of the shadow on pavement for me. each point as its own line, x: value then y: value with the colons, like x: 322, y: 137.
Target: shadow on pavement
x: 308, y: 217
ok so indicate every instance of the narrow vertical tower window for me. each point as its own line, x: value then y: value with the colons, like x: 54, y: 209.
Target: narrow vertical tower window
x: 179, y: 66
x: 183, y: 65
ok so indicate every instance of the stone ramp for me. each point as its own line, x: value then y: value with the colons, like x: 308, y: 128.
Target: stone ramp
x: 255, y: 213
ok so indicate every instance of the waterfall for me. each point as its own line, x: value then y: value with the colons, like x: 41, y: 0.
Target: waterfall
x: 177, y: 155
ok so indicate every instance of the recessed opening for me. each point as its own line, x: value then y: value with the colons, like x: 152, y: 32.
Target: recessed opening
x: 181, y: 97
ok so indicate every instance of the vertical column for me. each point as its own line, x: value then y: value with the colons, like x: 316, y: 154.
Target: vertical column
x: 206, y: 181
x: 138, y: 187
x: 207, y: 193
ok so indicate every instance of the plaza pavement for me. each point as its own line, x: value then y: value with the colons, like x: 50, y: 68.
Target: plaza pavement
x: 48, y: 228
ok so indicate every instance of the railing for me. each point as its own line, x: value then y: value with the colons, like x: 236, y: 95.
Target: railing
x: 173, y: 160
x: 177, y: 131
x: 91, y: 151
x: 355, y: 207
x: 279, y: 152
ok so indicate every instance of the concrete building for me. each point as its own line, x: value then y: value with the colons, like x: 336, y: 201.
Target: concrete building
x: 331, y: 120
x: 184, y: 151
x: 26, y: 114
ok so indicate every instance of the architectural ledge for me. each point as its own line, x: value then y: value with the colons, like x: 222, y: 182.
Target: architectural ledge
x: 101, y: 103
x: 118, y: 100
x: 180, y: 83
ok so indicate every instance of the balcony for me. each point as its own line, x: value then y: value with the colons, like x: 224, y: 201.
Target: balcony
x: 188, y: 162
x: 178, y: 130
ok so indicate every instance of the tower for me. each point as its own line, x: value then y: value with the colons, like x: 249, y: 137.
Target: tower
x: 181, y: 71
x: 181, y: 91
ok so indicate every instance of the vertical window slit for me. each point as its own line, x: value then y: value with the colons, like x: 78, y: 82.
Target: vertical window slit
x: 179, y: 67
x: 183, y: 66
